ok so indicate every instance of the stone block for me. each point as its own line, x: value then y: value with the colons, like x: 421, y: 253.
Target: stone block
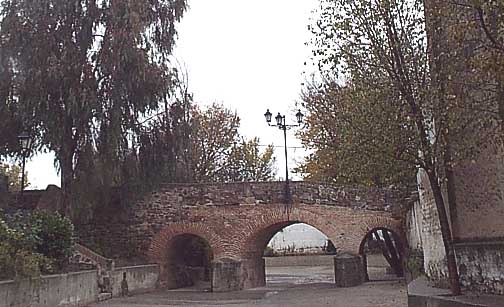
x: 253, y: 273
x: 226, y: 275
x: 348, y: 270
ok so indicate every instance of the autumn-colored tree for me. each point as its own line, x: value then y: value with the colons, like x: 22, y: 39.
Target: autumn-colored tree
x: 381, y: 51
x: 339, y: 129
x: 192, y: 144
x: 246, y: 162
x: 80, y: 74
x: 216, y: 130
x: 475, y: 31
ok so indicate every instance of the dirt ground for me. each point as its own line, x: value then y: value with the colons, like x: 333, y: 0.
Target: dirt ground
x: 286, y: 286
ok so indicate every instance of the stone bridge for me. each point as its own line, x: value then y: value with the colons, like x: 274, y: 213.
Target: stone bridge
x: 219, y: 231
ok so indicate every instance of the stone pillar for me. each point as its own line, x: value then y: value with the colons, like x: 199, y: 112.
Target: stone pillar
x: 253, y: 273
x: 348, y: 270
x: 226, y: 275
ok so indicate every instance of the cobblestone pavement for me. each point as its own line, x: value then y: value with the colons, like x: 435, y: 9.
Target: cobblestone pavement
x: 293, y: 286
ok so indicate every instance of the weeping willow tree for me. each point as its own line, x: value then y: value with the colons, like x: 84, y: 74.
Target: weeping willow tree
x: 80, y: 74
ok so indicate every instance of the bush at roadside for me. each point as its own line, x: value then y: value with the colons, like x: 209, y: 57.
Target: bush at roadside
x: 43, y: 244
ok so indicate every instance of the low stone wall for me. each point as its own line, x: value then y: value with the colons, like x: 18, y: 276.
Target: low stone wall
x: 373, y: 260
x: 72, y: 289
x: 421, y: 293
x: 308, y: 260
x: 480, y: 266
x: 141, y: 278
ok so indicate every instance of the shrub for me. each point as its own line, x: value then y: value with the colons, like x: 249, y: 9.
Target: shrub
x: 17, y: 257
x: 54, y: 236
x: 35, y: 244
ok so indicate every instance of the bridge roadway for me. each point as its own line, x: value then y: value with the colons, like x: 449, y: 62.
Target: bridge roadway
x: 287, y: 286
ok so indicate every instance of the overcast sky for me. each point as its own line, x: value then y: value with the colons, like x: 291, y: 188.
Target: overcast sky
x: 249, y: 56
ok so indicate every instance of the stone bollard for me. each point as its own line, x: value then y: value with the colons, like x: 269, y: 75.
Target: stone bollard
x: 348, y: 270
x: 124, y: 286
x: 226, y: 275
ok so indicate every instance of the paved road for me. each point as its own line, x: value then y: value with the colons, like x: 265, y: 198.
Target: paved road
x: 293, y: 286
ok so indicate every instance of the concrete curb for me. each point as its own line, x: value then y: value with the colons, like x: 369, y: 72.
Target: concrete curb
x: 422, y: 294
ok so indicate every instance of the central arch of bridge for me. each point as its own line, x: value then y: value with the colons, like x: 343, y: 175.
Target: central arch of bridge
x: 253, y: 261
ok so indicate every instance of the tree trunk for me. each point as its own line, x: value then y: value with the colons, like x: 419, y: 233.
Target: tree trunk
x: 445, y: 233
x: 450, y: 187
x: 66, y: 162
x: 389, y: 253
x: 66, y: 165
x: 394, y: 254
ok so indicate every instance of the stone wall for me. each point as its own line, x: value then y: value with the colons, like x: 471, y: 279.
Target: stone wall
x: 305, y: 260
x: 123, y: 228
x: 479, y: 186
x: 274, y: 192
x: 72, y: 289
x: 481, y: 265
x: 480, y: 258
x: 141, y: 278
x: 414, y: 227
x: 432, y: 242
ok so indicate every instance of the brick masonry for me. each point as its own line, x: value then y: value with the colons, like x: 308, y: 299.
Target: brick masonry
x: 238, y: 220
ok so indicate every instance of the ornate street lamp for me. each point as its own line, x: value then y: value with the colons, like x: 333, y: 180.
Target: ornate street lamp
x: 280, y: 123
x: 25, y: 143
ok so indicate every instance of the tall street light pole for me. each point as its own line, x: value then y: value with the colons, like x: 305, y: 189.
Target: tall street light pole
x: 25, y: 144
x: 281, y: 124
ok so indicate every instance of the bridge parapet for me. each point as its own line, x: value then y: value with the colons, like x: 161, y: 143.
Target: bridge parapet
x: 257, y: 193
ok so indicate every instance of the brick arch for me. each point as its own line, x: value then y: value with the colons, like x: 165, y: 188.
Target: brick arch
x: 160, y: 242
x: 379, y: 222
x: 256, y: 235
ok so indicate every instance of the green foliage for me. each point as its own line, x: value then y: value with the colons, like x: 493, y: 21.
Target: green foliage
x: 363, y: 118
x: 216, y: 157
x: 475, y: 30
x: 17, y: 256
x: 13, y: 174
x: 79, y: 75
x: 354, y: 138
x: 216, y: 130
x: 247, y: 163
x: 190, y: 144
x: 41, y: 243
x: 54, y: 235
x: 415, y: 87
x: 395, y: 101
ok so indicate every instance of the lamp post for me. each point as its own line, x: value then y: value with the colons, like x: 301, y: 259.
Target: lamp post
x: 25, y: 143
x: 281, y: 124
